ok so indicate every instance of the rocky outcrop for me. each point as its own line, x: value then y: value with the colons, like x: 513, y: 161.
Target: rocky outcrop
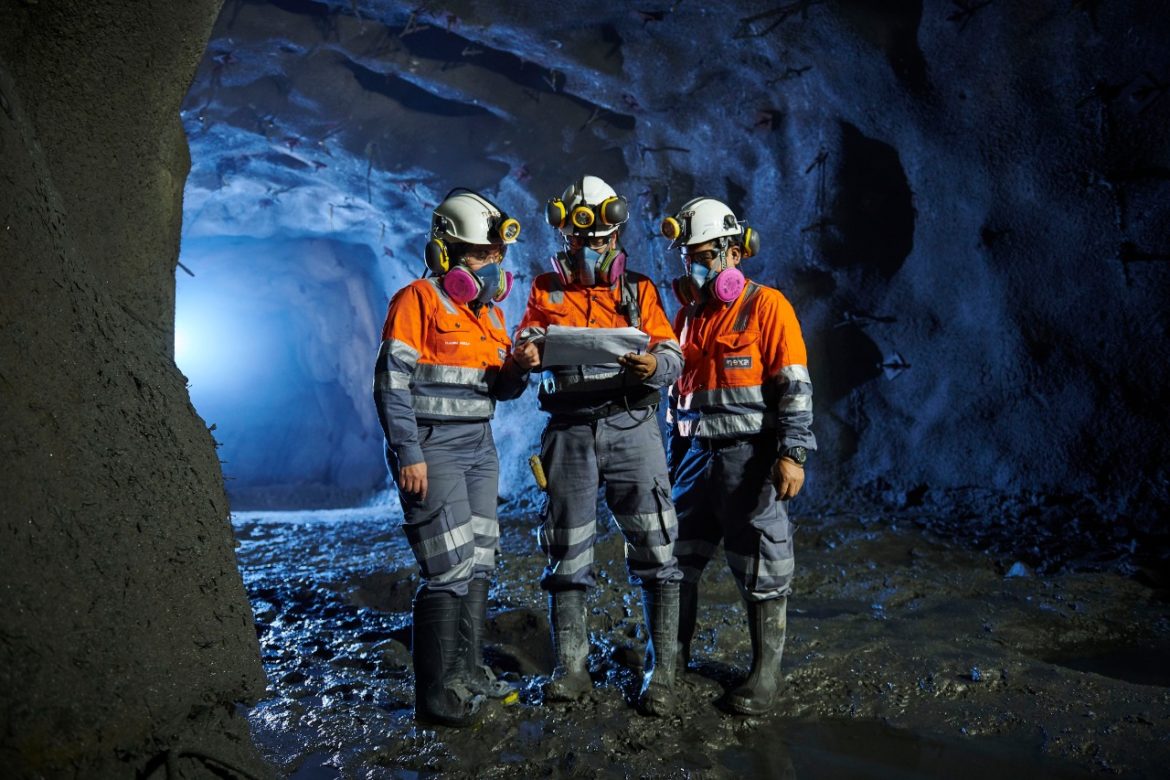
x: 125, y: 636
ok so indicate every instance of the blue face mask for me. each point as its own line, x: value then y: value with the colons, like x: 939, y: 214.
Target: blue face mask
x: 489, y: 277
x: 587, y: 260
x: 699, y: 274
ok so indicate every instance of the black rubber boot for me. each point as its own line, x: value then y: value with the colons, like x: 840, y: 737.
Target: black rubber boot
x: 768, y: 624
x: 660, y: 605
x: 477, y: 675
x: 688, y: 612
x: 566, y: 614
x: 440, y: 695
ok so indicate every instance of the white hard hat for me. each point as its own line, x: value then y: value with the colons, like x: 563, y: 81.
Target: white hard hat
x: 588, y: 207
x: 701, y: 220
x: 473, y: 219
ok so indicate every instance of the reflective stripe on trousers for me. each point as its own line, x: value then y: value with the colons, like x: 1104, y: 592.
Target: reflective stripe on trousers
x: 625, y: 452
x: 453, y: 532
x: 727, y: 494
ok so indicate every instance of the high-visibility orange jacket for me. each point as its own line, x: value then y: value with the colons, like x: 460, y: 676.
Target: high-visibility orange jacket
x: 440, y: 361
x: 593, y: 390
x: 744, y: 370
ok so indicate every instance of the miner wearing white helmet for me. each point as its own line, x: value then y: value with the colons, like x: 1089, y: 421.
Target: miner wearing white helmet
x: 435, y: 394
x: 603, y: 429
x: 740, y: 416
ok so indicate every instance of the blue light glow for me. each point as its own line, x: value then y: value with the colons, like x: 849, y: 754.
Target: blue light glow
x: 276, y: 339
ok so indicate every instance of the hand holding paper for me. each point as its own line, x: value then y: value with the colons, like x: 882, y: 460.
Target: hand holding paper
x: 641, y: 366
x: 566, y: 346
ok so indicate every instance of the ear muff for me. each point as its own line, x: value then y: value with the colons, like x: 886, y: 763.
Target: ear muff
x: 436, y: 256
x: 671, y: 228
x: 751, y: 242
x: 508, y: 230
x: 613, y: 211
x: 555, y: 213
x: 582, y: 217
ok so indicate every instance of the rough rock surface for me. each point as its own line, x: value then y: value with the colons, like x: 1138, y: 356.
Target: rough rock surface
x: 126, y: 640
x: 966, y: 202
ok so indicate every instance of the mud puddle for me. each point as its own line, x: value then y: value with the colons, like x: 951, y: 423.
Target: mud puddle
x: 873, y: 751
x: 1143, y: 665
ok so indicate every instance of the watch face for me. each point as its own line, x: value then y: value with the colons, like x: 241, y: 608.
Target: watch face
x: 798, y: 454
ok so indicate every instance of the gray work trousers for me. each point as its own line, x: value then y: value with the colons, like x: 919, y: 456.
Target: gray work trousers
x: 723, y: 491
x: 624, y: 451
x: 453, y: 532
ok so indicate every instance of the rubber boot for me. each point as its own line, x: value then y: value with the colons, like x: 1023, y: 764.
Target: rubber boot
x: 688, y: 612
x: 570, y: 679
x: 660, y: 605
x: 768, y: 624
x: 440, y: 696
x: 477, y: 675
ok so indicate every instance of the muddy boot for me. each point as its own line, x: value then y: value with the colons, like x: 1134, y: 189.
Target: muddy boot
x: 688, y: 612
x: 660, y: 605
x: 570, y: 679
x: 768, y: 623
x: 440, y: 696
x: 477, y: 675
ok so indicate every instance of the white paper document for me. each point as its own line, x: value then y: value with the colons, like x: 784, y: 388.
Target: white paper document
x: 564, y: 346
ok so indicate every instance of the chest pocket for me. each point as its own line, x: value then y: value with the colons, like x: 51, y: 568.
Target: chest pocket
x: 737, y: 358
x: 554, y: 306
x: 452, y: 338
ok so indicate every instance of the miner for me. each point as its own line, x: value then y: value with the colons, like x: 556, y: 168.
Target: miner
x: 444, y: 361
x: 603, y: 428
x: 740, y: 419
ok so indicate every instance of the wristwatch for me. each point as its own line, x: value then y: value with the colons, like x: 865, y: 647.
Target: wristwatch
x: 798, y: 455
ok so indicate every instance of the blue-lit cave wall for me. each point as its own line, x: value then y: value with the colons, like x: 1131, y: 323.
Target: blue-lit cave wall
x: 965, y: 203
x: 275, y: 337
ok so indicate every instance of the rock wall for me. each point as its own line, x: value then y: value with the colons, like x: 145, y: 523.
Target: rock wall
x: 966, y: 202
x: 125, y: 634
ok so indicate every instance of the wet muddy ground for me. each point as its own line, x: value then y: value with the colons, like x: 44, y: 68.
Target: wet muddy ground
x: 909, y: 656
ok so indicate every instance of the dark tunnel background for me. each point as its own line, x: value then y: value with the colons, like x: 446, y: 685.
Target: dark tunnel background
x: 969, y: 222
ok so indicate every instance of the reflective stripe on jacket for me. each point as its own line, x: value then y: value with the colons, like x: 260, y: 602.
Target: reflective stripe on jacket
x: 439, y: 362
x: 744, y: 371
x: 585, y: 390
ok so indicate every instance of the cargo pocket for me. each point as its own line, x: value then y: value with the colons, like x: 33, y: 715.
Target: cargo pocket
x: 775, y: 562
x: 667, y: 519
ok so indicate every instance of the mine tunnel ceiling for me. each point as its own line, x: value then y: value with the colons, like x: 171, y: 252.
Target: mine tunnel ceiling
x: 366, y: 106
